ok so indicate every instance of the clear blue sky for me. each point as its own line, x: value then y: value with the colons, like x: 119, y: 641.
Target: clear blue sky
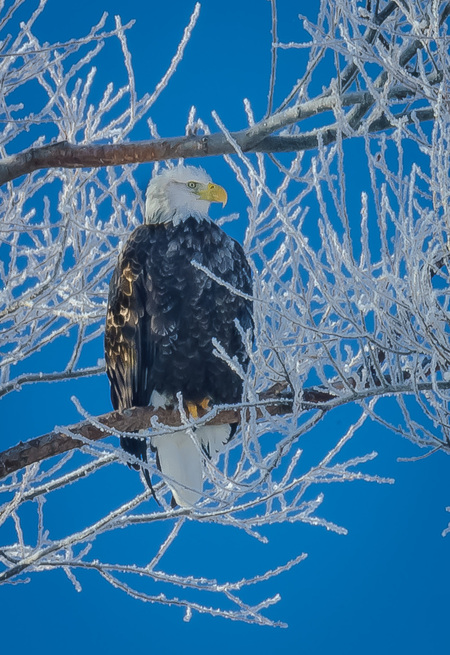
x: 382, y: 588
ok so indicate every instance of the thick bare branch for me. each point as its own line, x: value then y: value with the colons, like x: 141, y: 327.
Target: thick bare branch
x: 253, y: 139
x: 275, y: 401
x: 130, y: 420
x: 66, y: 155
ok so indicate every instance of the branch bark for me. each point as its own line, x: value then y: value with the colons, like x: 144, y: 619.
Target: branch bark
x: 132, y: 420
x: 257, y: 138
x: 275, y: 401
x: 67, y: 155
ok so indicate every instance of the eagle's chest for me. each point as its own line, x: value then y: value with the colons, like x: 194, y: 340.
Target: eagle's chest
x: 190, y: 310
x: 180, y: 277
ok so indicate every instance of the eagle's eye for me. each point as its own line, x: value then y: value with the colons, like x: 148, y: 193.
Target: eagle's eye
x: 192, y: 185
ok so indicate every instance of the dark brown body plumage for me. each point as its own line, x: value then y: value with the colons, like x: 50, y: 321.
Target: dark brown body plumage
x: 163, y: 314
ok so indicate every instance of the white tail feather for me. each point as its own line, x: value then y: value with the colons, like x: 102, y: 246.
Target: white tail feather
x: 213, y: 438
x: 181, y: 465
x: 181, y: 459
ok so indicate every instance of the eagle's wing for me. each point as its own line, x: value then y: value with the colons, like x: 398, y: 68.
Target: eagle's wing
x: 229, y: 263
x: 129, y: 348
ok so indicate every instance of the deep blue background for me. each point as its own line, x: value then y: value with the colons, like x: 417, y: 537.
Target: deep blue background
x: 384, y: 586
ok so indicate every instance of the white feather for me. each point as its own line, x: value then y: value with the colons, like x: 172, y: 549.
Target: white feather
x: 181, y: 465
x: 182, y: 462
x: 168, y: 197
x: 213, y: 439
x: 181, y: 459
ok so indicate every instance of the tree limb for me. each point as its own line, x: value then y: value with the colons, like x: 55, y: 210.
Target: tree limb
x: 275, y: 401
x: 256, y: 138
x: 130, y: 420
x: 67, y: 155
x: 327, y: 135
x: 57, y: 376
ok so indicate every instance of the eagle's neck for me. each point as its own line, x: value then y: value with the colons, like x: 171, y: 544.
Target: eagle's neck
x: 175, y: 217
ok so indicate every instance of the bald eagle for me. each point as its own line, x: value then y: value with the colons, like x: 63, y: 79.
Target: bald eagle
x: 164, y: 316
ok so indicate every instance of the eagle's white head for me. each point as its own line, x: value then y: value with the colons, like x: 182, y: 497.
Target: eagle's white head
x: 177, y: 193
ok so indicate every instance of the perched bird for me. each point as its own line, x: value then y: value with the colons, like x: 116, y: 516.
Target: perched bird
x: 164, y: 315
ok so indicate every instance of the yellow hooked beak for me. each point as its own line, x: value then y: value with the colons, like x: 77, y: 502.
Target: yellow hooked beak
x: 213, y: 193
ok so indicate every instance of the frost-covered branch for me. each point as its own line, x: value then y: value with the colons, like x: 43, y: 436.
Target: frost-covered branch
x: 157, y: 420
x: 66, y: 155
x: 260, y: 137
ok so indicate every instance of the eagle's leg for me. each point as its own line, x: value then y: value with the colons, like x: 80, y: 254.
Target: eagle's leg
x: 193, y: 407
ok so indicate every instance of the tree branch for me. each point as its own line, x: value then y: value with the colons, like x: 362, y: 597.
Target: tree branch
x: 130, y: 420
x: 327, y: 135
x: 57, y: 376
x: 255, y: 139
x: 275, y: 401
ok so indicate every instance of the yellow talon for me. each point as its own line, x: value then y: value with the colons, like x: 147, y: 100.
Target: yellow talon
x: 204, y: 404
x: 192, y: 409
